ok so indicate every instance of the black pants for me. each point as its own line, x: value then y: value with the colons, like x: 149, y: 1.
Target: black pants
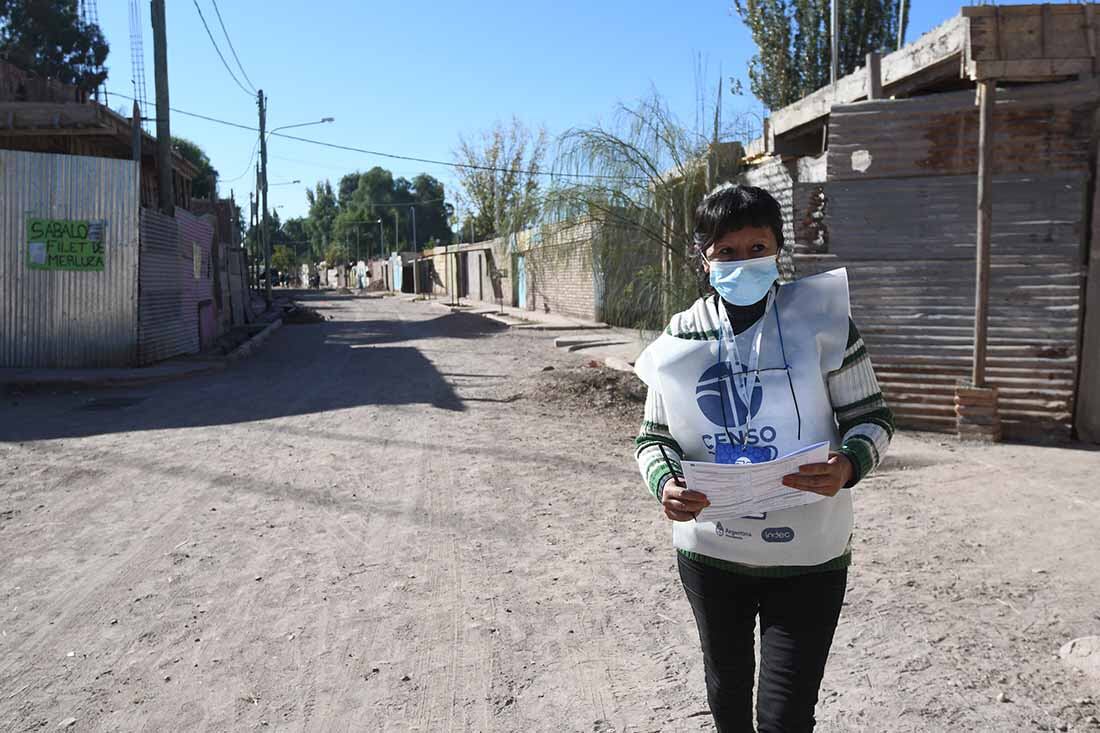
x: 797, y: 618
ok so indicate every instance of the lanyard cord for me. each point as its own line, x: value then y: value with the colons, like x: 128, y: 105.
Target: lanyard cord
x: 786, y: 368
x: 721, y: 397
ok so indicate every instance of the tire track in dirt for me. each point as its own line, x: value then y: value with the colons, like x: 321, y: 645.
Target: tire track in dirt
x: 93, y: 599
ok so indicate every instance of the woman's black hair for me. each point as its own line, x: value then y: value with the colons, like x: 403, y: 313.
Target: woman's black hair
x: 731, y: 207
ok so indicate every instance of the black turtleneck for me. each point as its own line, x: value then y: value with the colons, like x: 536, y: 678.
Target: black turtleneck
x: 743, y: 316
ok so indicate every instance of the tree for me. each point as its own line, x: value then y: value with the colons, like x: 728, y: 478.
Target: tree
x: 205, y: 185
x: 794, y: 50
x: 647, y: 172
x: 296, y: 234
x: 500, y: 179
x: 323, y: 210
x: 433, y: 213
x: 49, y: 38
x: 283, y: 259
x: 367, y: 197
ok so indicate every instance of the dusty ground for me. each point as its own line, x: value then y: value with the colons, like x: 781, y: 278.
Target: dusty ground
x: 396, y: 520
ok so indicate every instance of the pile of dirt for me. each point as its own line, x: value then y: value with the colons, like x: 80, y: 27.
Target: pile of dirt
x: 376, y: 286
x: 297, y: 315
x: 589, y: 389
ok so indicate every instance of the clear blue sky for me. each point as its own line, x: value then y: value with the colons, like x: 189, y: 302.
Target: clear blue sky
x: 410, y: 77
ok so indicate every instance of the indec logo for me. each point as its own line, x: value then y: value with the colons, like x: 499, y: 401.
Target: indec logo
x: 777, y: 534
x: 719, y: 399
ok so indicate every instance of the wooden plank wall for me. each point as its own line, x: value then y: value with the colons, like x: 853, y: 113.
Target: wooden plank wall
x: 904, y: 226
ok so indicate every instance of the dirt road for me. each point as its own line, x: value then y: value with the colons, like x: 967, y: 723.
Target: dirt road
x: 396, y: 520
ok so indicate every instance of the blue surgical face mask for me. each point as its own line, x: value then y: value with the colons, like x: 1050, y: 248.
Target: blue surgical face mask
x: 744, y: 282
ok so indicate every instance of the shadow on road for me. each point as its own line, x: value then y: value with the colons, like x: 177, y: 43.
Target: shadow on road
x: 304, y: 369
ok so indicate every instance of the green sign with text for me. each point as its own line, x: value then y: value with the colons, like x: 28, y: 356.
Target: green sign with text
x: 54, y: 244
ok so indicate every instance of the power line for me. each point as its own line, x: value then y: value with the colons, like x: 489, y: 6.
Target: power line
x: 230, y: 42
x: 248, y: 168
x: 215, y: 44
x: 395, y: 156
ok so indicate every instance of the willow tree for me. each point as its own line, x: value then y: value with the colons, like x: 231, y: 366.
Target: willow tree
x: 638, y: 182
x: 794, y: 50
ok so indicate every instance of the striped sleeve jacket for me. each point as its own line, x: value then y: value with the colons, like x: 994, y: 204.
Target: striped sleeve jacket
x: 866, y: 423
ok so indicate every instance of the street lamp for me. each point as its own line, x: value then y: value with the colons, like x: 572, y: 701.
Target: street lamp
x: 285, y: 183
x: 321, y: 121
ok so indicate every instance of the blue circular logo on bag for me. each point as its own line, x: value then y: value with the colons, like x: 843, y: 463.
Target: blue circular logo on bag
x: 719, y: 399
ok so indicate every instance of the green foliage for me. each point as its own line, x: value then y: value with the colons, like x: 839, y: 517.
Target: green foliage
x: 370, y: 214
x: 793, y: 42
x: 336, y: 254
x: 323, y: 210
x: 49, y: 38
x: 296, y: 231
x: 505, y: 200
x: 205, y: 185
x: 283, y: 259
x: 654, y: 171
x: 366, y: 198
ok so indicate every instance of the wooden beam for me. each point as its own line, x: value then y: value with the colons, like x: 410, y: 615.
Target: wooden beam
x: 48, y: 132
x: 1009, y: 32
x: 987, y: 90
x: 55, y: 115
x: 933, y: 48
x: 874, y: 75
x: 1029, y: 69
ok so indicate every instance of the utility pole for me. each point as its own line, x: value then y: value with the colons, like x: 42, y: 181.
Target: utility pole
x: 263, y: 176
x: 901, y: 26
x: 251, y: 248
x: 258, y: 235
x: 396, y: 229
x: 834, y: 66
x: 135, y: 135
x: 166, y: 195
x: 413, y: 210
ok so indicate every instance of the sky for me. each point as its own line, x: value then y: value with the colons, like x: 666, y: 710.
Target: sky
x: 411, y: 77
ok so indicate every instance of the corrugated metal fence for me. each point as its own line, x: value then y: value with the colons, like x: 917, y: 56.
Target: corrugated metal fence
x: 168, y: 312
x: 54, y: 318
x: 901, y: 215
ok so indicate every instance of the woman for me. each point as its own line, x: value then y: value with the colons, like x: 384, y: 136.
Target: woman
x: 749, y: 373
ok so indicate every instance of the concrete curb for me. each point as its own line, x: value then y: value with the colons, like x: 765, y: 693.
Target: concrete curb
x: 248, y: 347
x: 579, y: 343
x: 110, y: 378
x: 535, y: 326
x: 135, y: 377
x: 621, y: 365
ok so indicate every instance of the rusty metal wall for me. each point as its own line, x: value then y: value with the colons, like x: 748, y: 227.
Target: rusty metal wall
x: 237, y: 278
x: 168, y: 311
x: 908, y: 245
x: 68, y: 319
x: 1039, y: 128
x: 198, y: 235
x: 900, y: 212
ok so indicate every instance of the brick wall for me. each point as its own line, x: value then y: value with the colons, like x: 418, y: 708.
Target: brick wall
x: 560, y: 273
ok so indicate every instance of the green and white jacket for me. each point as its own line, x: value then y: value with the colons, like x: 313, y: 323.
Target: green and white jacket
x: 845, y: 382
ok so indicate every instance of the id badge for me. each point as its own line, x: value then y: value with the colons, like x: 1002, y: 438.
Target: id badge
x: 726, y: 453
